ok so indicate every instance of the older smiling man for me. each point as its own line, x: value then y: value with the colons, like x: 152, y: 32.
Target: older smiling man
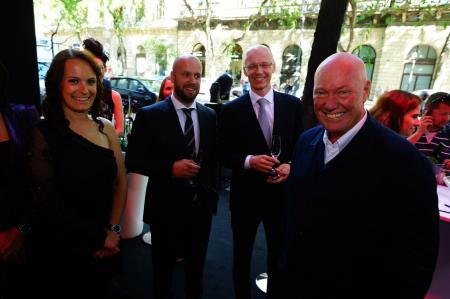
x: 348, y: 236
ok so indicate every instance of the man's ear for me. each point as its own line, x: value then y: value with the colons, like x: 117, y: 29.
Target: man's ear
x: 366, y: 90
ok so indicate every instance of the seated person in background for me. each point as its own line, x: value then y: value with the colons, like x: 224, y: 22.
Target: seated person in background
x: 398, y: 110
x: 79, y: 184
x: 112, y: 100
x: 165, y: 90
x: 15, y: 193
x: 432, y: 137
x: 221, y: 88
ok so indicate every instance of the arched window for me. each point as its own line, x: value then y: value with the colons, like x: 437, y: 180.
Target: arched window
x: 290, y: 69
x: 235, y: 67
x: 368, y: 55
x: 141, y: 64
x: 199, y: 52
x: 419, y: 68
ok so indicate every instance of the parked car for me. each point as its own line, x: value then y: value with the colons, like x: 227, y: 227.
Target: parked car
x: 139, y: 91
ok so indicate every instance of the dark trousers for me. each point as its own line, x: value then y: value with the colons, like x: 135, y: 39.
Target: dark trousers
x: 244, y: 223
x: 190, y: 229
x: 14, y: 280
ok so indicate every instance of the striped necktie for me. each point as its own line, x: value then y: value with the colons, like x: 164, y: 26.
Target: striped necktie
x: 189, y: 136
x: 263, y: 119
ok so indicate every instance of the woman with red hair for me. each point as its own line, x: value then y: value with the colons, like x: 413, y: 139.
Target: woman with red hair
x: 398, y: 110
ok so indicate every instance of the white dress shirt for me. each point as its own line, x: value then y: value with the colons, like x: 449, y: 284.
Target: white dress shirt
x: 333, y: 149
x: 182, y: 118
x: 269, y: 107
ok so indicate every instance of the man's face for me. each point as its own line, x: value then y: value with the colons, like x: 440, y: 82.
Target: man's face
x: 440, y: 116
x: 259, y: 67
x: 186, y: 77
x: 339, y: 96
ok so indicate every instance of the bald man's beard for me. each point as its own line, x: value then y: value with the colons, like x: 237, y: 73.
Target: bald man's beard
x: 182, y: 96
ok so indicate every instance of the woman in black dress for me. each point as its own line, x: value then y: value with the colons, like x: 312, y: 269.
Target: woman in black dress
x: 79, y: 184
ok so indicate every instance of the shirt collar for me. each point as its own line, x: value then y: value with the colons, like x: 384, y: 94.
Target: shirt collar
x: 179, y: 105
x: 255, y: 97
x: 345, y: 139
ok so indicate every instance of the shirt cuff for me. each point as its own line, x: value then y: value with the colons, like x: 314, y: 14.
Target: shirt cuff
x: 247, y: 162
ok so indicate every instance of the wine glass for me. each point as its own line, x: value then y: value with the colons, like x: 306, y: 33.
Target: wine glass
x: 275, y: 151
x: 198, y: 159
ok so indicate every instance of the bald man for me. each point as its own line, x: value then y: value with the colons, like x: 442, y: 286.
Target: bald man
x: 363, y: 217
x: 246, y: 127
x: 173, y: 143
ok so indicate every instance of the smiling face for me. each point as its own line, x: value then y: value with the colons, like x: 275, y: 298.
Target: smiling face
x: 340, y: 90
x: 259, y: 67
x: 410, y: 122
x: 186, y: 77
x: 78, y: 86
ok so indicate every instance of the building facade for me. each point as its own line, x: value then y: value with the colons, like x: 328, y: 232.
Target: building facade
x: 404, y: 44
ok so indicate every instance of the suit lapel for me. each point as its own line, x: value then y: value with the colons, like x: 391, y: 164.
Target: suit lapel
x: 203, y: 128
x: 277, y: 112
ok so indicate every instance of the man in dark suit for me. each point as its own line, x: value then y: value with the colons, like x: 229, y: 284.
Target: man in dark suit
x: 363, y: 217
x: 173, y: 143
x: 246, y: 128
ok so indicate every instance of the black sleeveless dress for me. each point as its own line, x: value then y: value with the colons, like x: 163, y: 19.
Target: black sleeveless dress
x: 73, y: 181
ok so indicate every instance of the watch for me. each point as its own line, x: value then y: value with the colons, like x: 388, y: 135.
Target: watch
x: 117, y: 228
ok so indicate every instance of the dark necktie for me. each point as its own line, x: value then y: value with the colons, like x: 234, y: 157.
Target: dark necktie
x: 263, y: 119
x: 189, y: 136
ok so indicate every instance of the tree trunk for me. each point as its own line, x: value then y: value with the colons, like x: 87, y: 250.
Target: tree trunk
x: 326, y: 37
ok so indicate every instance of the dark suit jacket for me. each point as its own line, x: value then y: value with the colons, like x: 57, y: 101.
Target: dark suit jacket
x: 156, y: 142
x: 365, y: 225
x: 240, y: 135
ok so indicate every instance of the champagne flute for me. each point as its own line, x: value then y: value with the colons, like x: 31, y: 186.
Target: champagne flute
x: 275, y: 151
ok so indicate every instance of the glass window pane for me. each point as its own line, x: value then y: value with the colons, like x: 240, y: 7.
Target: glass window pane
x: 407, y: 68
x: 405, y: 83
x: 122, y: 83
x: 369, y: 71
x: 133, y: 85
x: 423, y: 69
x: 423, y: 82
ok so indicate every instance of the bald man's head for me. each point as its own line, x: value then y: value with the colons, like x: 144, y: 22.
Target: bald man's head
x: 347, y: 62
x: 186, y: 76
x: 340, y: 90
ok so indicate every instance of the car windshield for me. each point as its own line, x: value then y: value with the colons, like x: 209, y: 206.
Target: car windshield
x: 152, y: 84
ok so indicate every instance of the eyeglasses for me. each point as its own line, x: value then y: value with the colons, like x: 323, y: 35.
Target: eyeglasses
x: 254, y: 66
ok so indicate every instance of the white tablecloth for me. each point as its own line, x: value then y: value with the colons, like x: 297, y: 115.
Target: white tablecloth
x: 132, y: 223
x: 444, y: 202
x: 440, y: 287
